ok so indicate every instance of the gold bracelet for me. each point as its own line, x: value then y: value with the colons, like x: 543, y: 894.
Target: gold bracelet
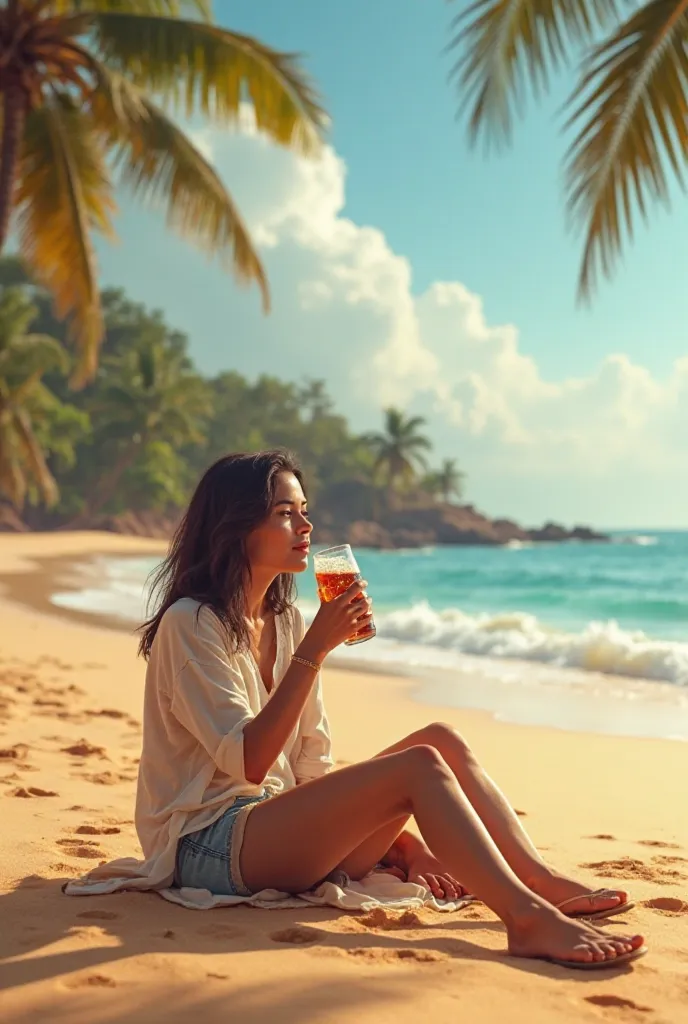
x: 304, y: 661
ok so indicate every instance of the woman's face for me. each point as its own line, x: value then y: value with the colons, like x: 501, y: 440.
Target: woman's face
x: 282, y: 541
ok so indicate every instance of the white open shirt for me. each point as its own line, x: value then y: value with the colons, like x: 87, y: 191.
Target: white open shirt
x: 199, y: 696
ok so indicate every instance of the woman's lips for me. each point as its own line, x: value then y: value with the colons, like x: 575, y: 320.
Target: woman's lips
x: 302, y: 547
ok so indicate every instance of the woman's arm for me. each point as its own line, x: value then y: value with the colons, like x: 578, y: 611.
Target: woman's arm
x: 266, y: 735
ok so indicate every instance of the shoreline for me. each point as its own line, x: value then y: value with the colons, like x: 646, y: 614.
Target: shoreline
x: 607, y: 809
x: 545, y: 695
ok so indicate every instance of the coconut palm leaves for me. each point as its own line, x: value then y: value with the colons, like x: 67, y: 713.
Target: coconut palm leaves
x: 149, y: 395
x: 89, y: 88
x: 399, y: 449
x: 629, y: 110
x: 445, y: 482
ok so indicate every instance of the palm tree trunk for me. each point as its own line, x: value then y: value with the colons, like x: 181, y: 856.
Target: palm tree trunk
x: 14, y: 119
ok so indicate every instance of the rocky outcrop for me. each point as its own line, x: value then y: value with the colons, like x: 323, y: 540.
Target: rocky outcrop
x: 446, y: 524
x: 554, y: 533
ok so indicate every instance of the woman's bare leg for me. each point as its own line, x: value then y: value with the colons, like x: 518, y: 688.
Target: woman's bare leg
x: 502, y: 822
x: 294, y: 840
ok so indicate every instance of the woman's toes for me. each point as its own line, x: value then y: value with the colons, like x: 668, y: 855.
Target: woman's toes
x: 609, y: 951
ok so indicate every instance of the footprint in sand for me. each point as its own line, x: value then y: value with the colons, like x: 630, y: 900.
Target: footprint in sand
x: 32, y: 791
x: 385, y: 921
x: 299, y: 935
x: 630, y: 867
x: 92, y: 981
x: 98, y: 915
x: 666, y: 905
x: 107, y: 713
x: 602, y: 835
x: 81, y: 848
x: 108, y: 778
x: 659, y: 843
x: 422, y: 956
x: 85, y: 749
x: 94, y: 830
x: 18, y: 752
x: 617, y: 1003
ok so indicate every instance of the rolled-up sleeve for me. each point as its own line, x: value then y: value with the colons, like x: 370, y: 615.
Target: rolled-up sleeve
x: 209, y: 699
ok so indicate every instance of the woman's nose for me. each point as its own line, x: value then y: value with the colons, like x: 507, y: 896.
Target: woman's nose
x: 306, y: 527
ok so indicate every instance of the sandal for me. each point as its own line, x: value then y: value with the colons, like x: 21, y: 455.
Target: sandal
x: 594, y: 965
x: 596, y: 915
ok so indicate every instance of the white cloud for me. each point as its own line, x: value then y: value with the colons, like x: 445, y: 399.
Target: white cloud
x: 344, y: 309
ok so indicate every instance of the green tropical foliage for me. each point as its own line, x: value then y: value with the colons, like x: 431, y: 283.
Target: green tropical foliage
x: 89, y: 92
x: 446, y: 482
x: 34, y: 423
x: 399, y: 449
x: 628, y: 112
x: 136, y: 439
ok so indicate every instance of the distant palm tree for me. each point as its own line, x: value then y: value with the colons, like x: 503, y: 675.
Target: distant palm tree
x: 398, y: 451
x: 445, y: 482
x: 88, y: 87
x: 149, y: 394
x: 24, y: 359
x: 629, y: 109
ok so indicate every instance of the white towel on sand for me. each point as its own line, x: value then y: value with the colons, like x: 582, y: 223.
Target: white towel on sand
x: 378, y: 889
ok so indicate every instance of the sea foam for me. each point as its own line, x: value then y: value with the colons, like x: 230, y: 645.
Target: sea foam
x: 599, y: 647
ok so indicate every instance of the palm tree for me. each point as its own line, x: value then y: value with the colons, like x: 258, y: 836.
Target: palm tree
x: 149, y: 394
x: 24, y: 359
x: 89, y: 87
x: 629, y: 108
x: 398, y: 450
x: 447, y: 481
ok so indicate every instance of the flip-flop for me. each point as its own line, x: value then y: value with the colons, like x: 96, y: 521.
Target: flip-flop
x: 596, y: 915
x: 595, y: 965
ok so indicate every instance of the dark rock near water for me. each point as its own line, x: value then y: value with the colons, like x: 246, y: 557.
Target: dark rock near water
x: 445, y: 524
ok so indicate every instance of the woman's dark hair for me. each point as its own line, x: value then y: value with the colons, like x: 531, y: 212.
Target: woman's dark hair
x: 207, y: 558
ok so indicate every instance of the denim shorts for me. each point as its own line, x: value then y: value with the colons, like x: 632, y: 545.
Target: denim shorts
x: 209, y: 859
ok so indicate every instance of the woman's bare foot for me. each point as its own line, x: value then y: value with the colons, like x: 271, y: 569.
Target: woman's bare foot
x: 557, y: 888
x: 543, y: 932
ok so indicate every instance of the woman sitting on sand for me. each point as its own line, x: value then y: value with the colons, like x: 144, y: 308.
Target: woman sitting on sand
x: 236, y: 792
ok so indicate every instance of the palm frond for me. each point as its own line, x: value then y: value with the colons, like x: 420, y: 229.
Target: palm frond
x: 30, y: 359
x: 160, y: 163
x: 509, y: 45
x: 63, y: 193
x: 636, y: 107
x: 174, y: 8
x: 196, y: 67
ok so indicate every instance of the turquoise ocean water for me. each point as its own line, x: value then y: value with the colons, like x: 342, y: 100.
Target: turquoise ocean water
x: 619, y: 608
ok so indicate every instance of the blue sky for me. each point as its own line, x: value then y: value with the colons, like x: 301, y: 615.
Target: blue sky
x: 496, y: 225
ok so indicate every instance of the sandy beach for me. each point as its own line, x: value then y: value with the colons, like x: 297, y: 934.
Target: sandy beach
x: 606, y: 808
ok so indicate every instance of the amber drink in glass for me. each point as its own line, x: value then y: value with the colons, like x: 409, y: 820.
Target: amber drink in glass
x: 335, y: 570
